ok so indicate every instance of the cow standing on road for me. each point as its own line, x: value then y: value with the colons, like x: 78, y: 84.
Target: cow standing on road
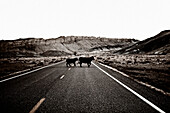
x: 71, y: 61
x: 86, y: 60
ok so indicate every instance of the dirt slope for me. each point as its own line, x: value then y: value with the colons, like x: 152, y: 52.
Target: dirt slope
x: 159, y: 44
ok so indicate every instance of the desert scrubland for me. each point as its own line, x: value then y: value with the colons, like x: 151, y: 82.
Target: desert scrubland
x: 13, y: 66
x: 147, y: 61
x: 151, y: 69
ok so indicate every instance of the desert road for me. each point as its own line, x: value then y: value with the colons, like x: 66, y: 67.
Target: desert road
x: 61, y: 89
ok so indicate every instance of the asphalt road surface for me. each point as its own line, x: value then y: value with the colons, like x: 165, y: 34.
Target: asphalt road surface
x: 61, y: 89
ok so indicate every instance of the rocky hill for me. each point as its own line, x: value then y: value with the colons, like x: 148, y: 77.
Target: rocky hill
x: 61, y: 46
x: 158, y: 45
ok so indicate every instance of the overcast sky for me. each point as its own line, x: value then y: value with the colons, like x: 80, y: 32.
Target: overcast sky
x: 139, y: 19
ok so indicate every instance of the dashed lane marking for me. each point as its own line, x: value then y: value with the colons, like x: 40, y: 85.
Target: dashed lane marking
x: 132, y: 91
x: 62, y: 77
x: 37, y: 106
x: 69, y: 68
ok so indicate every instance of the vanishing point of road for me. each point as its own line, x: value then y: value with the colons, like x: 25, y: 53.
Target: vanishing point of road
x: 61, y: 89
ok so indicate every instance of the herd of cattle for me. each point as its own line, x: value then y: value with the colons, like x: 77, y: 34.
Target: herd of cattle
x: 81, y: 60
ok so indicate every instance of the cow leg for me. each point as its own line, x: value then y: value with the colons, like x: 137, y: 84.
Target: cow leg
x: 74, y: 64
x: 67, y: 64
x: 88, y: 64
x: 80, y: 64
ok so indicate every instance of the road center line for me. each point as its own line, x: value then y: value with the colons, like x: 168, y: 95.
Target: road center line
x: 62, y: 77
x: 37, y: 106
x: 132, y: 91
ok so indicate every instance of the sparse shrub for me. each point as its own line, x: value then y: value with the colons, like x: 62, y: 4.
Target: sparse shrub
x: 34, y: 62
x: 75, y: 53
x: 145, y: 62
x: 168, y: 62
x: 99, y: 58
x: 5, y: 61
x: 129, y: 62
x: 40, y: 63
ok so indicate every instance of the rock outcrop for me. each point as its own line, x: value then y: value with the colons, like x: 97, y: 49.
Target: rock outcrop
x: 62, y: 45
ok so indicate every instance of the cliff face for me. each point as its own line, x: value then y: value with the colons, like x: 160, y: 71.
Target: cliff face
x: 159, y: 44
x: 60, y: 46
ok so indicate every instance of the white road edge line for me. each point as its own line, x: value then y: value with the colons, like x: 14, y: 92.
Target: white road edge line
x: 114, y: 70
x: 62, y: 77
x: 145, y: 84
x: 132, y: 91
x: 30, y: 71
x: 37, y: 106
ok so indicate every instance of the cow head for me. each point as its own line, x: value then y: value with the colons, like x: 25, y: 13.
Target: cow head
x: 92, y: 57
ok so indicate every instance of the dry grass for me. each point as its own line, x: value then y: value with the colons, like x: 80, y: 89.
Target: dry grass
x: 151, y: 69
x: 12, y: 66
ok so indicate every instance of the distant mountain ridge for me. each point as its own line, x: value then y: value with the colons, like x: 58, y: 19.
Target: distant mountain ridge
x: 157, y: 45
x: 69, y: 45
x: 62, y: 45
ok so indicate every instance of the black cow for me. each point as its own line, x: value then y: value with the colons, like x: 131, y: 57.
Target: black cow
x: 71, y: 61
x: 86, y: 60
